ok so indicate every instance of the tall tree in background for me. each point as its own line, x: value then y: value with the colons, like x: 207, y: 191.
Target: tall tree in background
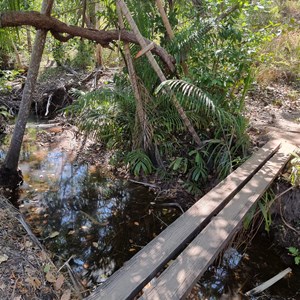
x: 9, y: 170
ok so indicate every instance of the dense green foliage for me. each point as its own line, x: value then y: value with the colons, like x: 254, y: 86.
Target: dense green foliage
x: 212, y: 95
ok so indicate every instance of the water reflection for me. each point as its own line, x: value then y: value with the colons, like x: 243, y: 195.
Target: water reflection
x: 78, y: 211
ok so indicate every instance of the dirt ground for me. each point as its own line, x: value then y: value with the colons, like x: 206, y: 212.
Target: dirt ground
x: 274, y: 112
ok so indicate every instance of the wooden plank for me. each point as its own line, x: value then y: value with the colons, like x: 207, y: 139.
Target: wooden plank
x: 137, y: 272
x: 177, y: 280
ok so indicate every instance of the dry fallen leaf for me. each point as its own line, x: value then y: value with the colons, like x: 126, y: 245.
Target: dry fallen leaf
x: 43, y: 255
x: 59, y: 282
x: 28, y: 244
x: 66, y: 295
x: 86, y: 265
x: 50, y: 277
x: 3, y: 258
x: 53, y: 234
x: 34, y: 282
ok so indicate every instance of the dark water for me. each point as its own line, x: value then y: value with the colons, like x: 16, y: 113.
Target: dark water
x: 79, y: 211
x: 238, y: 273
x: 99, y: 221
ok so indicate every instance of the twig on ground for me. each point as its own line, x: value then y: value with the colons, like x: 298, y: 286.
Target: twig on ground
x: 14, y: 289
x: 285, y: 222
x: 268, y: 283
x: 144, y: 183
x: 71, y: 257
x: 79, y: 289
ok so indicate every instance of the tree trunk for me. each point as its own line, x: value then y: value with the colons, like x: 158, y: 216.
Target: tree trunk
x: 83, y: 13
x: 18, y: 58
x: 159, y: 72
x: 28, y: 35
x: 98, y: 51
x: 165, y: 19
x: 170, y: 31
x: 145, y: 132
x: 11, y: 161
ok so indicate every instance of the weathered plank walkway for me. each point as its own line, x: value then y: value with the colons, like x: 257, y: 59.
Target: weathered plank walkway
x: 217, y: 216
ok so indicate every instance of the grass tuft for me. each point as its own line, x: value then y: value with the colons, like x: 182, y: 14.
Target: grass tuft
x: 283, y: 63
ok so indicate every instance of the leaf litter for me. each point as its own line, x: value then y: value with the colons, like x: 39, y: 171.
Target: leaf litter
x: 26, y: 270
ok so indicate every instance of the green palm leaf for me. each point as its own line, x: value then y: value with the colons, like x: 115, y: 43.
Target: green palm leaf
x: 195, y: 99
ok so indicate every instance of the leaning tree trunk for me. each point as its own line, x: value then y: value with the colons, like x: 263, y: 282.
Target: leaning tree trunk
x: 143, y: 126
x: 158, y: 71
x: 18, y: 58
x: 10, y: 165
x: 169, y: 30
x: 165, y: 19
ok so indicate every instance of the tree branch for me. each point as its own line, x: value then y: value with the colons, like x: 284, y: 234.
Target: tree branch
x: 58, y: 28
x: 61, y: 37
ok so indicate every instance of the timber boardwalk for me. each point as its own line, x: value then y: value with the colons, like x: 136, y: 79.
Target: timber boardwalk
x: 197, y: 237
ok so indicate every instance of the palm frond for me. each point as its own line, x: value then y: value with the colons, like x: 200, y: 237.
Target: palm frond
x: 101, y: 114
x: 190, y: 37
x: 195, y: 99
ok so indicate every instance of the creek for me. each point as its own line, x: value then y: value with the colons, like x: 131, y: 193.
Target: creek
x: 84, y: 214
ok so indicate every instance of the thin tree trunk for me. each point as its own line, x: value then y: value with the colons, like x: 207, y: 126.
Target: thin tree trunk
x: 170, y: 31
x: 13, y: 155
x: 165, y: 19
x: 158, y: 71
x: 83, y: 13
x: 29, y: 43
x: 98, y: 51
x: 144, y: 136
x: 18, y: 58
